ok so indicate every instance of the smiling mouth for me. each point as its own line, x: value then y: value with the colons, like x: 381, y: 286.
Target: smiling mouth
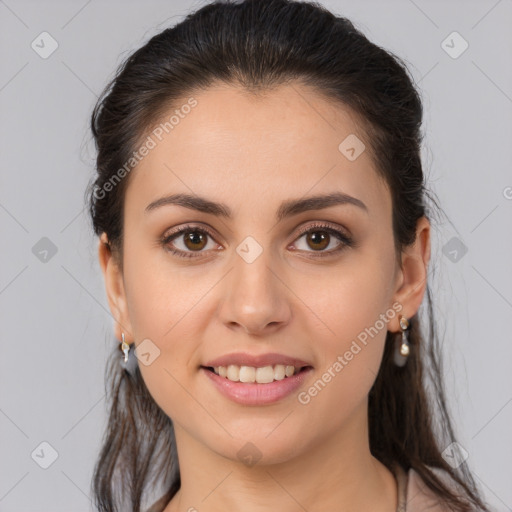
x: 258, y: 375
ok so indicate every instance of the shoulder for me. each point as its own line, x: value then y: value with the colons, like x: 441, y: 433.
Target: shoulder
x: 159, y: 505
x: 420, y: 497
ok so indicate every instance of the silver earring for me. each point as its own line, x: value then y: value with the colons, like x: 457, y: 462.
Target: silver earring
x: 402, y: 347
x: 129, y: 361
x: 125, y: 348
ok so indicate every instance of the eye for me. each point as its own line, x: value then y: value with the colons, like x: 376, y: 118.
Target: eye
x: 195, y: 239
x: 319, y: 237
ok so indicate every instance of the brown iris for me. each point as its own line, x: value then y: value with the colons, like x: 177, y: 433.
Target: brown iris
x: 194, y: 237
x: 321, y: 239
x: 196, y: 240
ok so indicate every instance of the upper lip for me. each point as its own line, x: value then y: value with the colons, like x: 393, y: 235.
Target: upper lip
x: 245, y: 359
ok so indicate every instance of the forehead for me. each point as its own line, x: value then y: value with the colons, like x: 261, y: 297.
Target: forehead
x: 237, y: 148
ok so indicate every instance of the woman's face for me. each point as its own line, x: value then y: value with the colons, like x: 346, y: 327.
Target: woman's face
x: 254, y: 284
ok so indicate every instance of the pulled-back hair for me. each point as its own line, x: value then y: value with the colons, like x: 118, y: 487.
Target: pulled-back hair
x: 259, y: 45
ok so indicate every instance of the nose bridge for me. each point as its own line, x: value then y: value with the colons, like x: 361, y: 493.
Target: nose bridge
x: 252, y: 277
x: 255, y: 296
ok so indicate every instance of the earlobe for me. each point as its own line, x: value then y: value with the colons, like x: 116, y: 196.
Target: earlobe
x: 114, y: 287
x: 415, y: 260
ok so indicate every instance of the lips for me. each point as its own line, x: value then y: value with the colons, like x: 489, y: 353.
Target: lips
x: 257, y: 394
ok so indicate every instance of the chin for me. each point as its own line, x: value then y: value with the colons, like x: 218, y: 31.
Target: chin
x: 264, y: 446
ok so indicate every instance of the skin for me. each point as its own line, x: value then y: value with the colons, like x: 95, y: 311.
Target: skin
x: 252, y: 153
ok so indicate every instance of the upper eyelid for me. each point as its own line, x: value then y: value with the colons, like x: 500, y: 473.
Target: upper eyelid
x: 301, y: 231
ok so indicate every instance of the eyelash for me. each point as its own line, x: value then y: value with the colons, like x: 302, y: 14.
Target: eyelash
x: 345, y: 240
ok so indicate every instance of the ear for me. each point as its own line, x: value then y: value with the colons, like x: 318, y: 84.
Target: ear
x: 114, y: 285
x: 412, y: 277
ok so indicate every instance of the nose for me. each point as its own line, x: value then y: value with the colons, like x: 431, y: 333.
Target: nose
x: 255, y: 297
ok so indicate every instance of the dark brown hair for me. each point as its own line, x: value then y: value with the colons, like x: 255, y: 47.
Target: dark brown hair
x: 259, y: 45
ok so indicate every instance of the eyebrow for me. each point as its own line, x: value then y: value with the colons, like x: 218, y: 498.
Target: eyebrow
x: 286, y: 209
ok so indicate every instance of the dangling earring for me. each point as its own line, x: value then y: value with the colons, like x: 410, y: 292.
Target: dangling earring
x: 129, y: 361
x: 402, y: 347
x: 125, y: 348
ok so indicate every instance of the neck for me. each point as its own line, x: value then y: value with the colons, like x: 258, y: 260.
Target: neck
x: 337, y: 473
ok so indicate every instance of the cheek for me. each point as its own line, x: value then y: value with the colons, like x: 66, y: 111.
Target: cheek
x: 167, y: 313
x: 351, y: 300
x: 350, y: 340
x: 160, y: 294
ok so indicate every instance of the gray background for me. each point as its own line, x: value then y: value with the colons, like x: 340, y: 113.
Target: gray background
x: 56, y: 329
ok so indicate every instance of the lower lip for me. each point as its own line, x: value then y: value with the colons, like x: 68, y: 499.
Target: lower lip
x: 254, y: 393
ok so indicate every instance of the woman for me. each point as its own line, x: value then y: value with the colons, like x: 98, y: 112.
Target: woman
x: 265, y: 242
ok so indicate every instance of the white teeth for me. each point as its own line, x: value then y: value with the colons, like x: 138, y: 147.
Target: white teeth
x: 247, y: 374
x: 233, y: 372
x: 262, y: 375
x: 279, y: 371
